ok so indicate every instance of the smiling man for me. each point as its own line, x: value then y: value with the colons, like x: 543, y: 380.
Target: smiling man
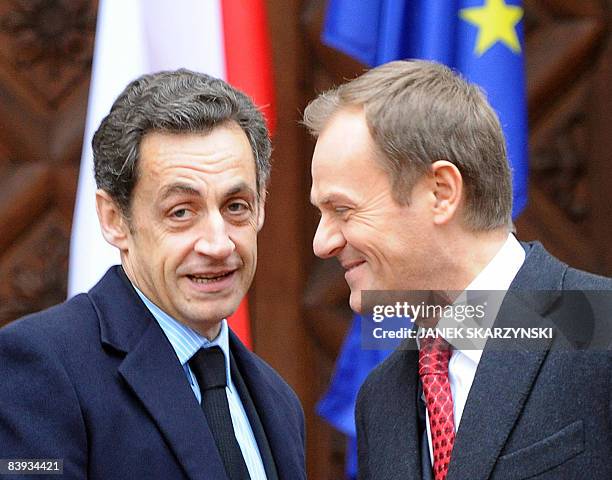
x: 141, y: 377
x: 411, y: 178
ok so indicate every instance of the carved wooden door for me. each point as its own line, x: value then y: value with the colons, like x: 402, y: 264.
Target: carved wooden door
x: 45, y: 59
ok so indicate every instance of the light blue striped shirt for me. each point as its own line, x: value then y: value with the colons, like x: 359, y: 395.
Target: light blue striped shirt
x: 186, y: 342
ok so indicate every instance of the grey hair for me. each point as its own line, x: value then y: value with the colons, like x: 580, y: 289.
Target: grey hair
x: 178, y: 101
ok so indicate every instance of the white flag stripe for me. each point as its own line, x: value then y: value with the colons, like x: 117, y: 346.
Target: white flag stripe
x: 118, y: 30
x: 132, y: 38
x: 185, y: 33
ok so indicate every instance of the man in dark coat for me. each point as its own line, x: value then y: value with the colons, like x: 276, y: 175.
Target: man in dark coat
x: 413, y: 184
x: 141, y: 377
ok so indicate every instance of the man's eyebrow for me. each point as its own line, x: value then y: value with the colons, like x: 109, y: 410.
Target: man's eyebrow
x: 179, y: 188
x: 241, y: 187
x: 330, y: 198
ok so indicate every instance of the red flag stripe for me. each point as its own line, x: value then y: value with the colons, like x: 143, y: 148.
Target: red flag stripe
x: 248, y: 66
x: 240, y: 323
x: 248, y: 58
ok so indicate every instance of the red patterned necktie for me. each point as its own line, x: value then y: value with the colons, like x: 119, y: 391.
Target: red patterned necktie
x: 434, y: 356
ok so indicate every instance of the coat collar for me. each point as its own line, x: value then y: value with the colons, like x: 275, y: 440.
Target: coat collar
x: 271, y: 404
x: 399, y: 423
x: 393, y: 434
x: 154, y: 374
x: 122, y: 315
x: 505, y: 376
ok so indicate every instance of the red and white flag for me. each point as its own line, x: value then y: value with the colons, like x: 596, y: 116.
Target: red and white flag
x: 225, y: 38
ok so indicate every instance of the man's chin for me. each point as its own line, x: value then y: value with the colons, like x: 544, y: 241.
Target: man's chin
x: 208, y: 317
x: 355, y: 301
x: 213, y: 315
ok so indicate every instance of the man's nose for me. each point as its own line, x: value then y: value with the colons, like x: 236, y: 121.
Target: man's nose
x: 328, y: 240
x: 214, y: 240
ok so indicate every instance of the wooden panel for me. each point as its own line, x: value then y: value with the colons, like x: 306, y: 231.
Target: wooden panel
x: 565, y: 64
x: 33, y: 270
x: 557, y: 55
x: 575, y: 8
x: 45, y: 46
x: 600, y: 155
x: 24, y: 195
x: 45, y: 60
x: 280, y: 334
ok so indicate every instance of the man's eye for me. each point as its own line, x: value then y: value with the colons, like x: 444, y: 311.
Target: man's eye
x: 180, y: 213
x: 237, y: 207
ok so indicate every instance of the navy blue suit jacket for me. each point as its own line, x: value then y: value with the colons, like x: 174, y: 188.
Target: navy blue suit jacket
x: 95, y: 382
x: 542, y: 412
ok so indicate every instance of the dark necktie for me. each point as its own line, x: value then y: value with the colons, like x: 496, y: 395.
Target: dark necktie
x: 434, y: 356
x: 208, y: 365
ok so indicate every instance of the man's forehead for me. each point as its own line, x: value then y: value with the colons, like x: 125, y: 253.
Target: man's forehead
x: 331, y: 186
x: 345, y: 137
x: 217, y: 150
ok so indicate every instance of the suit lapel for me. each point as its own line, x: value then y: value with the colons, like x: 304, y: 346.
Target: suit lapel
x: 404, y: 423
x: 505, y: 376
x: 156, y: 377
x: 154, y: 374
x: 265, y: 400
x: 502, y: 384
x: 394, y: 435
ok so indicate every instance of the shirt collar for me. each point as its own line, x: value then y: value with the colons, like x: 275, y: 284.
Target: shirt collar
x: 186, y: 341
x: 498, y: 274
x: 503, y: 267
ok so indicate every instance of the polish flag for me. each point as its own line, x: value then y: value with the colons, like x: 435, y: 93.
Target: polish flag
x: 224, y: 38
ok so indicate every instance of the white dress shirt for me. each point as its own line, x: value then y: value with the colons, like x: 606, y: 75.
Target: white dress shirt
x: 497, y: 275
x: 186, y: 342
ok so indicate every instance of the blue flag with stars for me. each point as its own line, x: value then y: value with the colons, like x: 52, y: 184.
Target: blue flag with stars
x: 482, y: 39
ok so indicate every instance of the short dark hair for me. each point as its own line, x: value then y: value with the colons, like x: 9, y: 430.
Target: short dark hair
x: 419, y: 112
x: 178, y: 101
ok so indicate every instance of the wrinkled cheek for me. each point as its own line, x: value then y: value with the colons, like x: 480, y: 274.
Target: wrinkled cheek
x: 176, y: 256
x: 376, y: 258
x: 246, y: 246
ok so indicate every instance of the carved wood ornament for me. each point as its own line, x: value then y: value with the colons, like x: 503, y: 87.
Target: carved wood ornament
x: 46, y: 48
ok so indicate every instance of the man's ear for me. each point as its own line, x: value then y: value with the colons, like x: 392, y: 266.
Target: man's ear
x: 261, y: 211
x: 115, y: 228
x: 448, y: 190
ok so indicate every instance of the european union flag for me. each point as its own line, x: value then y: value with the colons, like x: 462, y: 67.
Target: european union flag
x: 482, y: 39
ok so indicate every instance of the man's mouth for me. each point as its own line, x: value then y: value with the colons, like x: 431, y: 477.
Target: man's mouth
x: 351, y: 265
x: 205, y: 278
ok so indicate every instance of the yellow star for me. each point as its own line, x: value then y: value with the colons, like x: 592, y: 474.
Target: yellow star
x: 496, y: 22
